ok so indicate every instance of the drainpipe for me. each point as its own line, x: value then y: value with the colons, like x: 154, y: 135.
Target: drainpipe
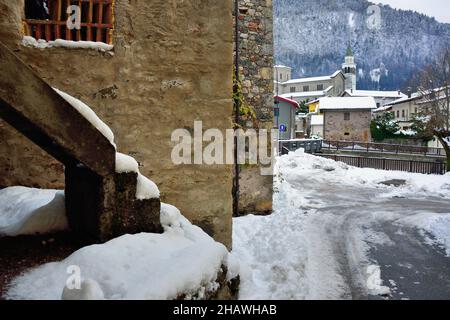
x: 236, y: 112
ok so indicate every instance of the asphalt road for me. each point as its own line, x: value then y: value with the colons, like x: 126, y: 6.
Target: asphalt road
x: 355, y: 225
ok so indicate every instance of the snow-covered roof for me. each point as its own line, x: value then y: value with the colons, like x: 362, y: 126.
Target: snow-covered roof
x: 414, y: 96
x: 376, y: 94
x: 306, y: 94
x: 313, y: 79
x: 290, y: 101
x: 317, y: 120
x: 381, y: 109
x: 281, y: 66
x: 347, y: 103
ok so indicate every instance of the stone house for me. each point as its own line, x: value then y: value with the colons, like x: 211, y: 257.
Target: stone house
x: 157, y: 66
x: 347, y: 119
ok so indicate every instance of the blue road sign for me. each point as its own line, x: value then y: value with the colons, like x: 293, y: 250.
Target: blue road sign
x: 283, y: 128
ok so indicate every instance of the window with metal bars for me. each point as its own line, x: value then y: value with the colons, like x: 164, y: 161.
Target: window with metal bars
x: 47, y: 20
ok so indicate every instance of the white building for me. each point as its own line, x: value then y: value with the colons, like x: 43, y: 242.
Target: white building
x: 382, y: 98
x: 307, y: 89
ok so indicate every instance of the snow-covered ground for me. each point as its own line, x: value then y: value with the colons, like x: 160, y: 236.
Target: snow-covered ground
x: 182, y: 260
x: 328, y: 222
x: 27, y: 211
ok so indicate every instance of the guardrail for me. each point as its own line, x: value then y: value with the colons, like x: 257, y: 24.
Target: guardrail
x: 381, y: 148
x: 310, y: 145
x: 424, y: 167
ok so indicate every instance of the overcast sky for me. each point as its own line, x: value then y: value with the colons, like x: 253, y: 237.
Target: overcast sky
x: 440, y: 9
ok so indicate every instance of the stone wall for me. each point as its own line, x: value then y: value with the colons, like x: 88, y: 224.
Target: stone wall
x: 168, y: 69
x: 256, y: 54
x: 358, y: 127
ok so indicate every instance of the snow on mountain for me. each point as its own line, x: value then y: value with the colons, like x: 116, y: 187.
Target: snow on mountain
x: 312, y: 35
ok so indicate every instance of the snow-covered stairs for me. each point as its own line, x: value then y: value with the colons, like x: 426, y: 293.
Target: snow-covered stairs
x: 101, y: 202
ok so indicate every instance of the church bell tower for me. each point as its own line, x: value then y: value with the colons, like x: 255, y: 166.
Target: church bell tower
x: 349, y: 70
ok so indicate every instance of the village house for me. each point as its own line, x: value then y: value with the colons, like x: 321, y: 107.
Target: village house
x: 347, y: 118
x: 285, y: 117
x: 406, y: 108
x: 382, y: 98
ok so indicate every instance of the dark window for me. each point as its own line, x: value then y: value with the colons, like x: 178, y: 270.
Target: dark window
x: 320, y: 87
x: 346, y: 116
x: 347, y: 134
x: 305, y: 88
x: 292, y: 89
x: 47, y: 20
x: 378, y: 105
x: 281, y: 76
x: 403, y: 113
x: 398, y: 113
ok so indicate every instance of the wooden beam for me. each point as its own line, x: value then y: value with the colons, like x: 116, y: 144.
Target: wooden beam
x: 99, y: 37
x: 90, y: 18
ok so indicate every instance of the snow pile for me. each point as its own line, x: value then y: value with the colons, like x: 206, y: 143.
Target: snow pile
x: 182, y: 260
x: 60, y: 43
x: 407, y: 132
x: 374, y: 282
x: 89, y: 115
x: 26, y: 211
x: 146, y: 189
x: 439, y: 228
x: 301, y: 165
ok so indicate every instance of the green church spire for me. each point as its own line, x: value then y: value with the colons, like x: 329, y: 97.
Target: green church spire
x: 349, y: 51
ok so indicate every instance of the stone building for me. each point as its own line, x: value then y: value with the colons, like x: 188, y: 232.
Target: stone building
x: 166, y: 70
x: 255, y: 21
x: 347, y: 119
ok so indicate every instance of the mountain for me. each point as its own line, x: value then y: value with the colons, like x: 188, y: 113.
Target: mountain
x: 311, y: 36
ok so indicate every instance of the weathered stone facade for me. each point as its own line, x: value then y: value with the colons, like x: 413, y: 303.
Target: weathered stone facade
x: 256, y: 61
x: 357, y: 128
x: 168, y: 69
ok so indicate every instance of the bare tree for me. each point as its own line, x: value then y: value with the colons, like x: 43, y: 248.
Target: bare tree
x: 433, y: 117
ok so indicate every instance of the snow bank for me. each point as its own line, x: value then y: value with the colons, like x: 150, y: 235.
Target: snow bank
x: 26, y: 211
x: 182, y: 260
x: 60, y: 43
x: 146, y: 189
x: 300, y: 165
x: 89, y: 114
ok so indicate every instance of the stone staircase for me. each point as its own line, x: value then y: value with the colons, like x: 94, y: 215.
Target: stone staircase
x: 101, y: 204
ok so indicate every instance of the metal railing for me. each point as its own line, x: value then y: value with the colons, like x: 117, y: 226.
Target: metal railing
x: 381, y: 148
x: 96, y: 22
x: 424, y: 167
x: 310, y: 146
